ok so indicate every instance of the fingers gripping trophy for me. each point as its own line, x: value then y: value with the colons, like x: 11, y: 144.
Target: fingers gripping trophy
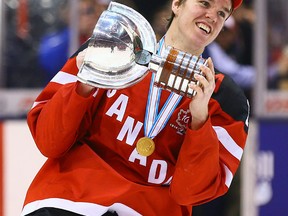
x: 122, y: 50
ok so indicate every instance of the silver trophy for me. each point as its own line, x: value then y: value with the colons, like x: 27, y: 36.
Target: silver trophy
x: 122, y: 50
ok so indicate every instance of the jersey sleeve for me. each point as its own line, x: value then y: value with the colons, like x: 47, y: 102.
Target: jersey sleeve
x: 210, y: 156
x: 59, y: 115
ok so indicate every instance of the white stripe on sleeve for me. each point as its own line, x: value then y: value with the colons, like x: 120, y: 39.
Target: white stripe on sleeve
x: 64, y: 78
x: 228, y: 142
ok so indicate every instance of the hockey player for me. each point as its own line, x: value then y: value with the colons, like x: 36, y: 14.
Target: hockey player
x: 90, y: 135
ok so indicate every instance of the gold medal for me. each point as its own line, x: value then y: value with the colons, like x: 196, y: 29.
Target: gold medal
x: 145, y: 146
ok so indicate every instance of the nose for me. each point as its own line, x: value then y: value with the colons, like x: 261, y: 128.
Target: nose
x: 212, y: 15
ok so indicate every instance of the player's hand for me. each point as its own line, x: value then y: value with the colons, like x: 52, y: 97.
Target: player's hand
x: 199, y: 103
x: 83, y: 89
x: 80, y: 58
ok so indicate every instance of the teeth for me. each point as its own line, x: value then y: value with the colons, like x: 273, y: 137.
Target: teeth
x: 204, y: 27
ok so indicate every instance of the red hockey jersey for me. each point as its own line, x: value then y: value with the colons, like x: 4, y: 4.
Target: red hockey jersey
x: 93, y: 165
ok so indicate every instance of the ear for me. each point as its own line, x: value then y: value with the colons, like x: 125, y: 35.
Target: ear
x: 175, y: 6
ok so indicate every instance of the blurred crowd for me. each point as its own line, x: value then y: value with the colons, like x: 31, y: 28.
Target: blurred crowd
x: 278, y: 72
x: 277, y: 45
x: 38, y: 39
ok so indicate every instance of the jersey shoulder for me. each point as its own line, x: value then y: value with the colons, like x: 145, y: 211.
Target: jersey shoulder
x: 231, y: 97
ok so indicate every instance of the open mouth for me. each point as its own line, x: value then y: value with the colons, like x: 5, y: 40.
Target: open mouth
x: 204, y: 28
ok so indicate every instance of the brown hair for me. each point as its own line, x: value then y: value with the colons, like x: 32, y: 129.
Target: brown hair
x: 170, y: 19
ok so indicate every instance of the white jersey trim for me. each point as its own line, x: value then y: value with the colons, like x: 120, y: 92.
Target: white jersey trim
x: 64, y: 78
x: 84, y: 208
x: 229, y: 176
x: 38, y: 102
x: 61, y: 78
x: 228, y: 142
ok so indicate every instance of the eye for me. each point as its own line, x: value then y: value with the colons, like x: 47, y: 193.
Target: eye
x: 205, y: 3
x: 222, y: 14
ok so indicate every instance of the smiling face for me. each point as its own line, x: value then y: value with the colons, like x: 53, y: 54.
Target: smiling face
x: 196, y: 23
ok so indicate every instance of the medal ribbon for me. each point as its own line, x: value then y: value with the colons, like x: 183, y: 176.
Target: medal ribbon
x: 154, y: 121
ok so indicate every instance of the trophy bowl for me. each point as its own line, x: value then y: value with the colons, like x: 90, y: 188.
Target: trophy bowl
x: 110, y: 58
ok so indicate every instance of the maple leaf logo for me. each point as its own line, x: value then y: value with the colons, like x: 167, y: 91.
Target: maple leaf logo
x: 183, y: 118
